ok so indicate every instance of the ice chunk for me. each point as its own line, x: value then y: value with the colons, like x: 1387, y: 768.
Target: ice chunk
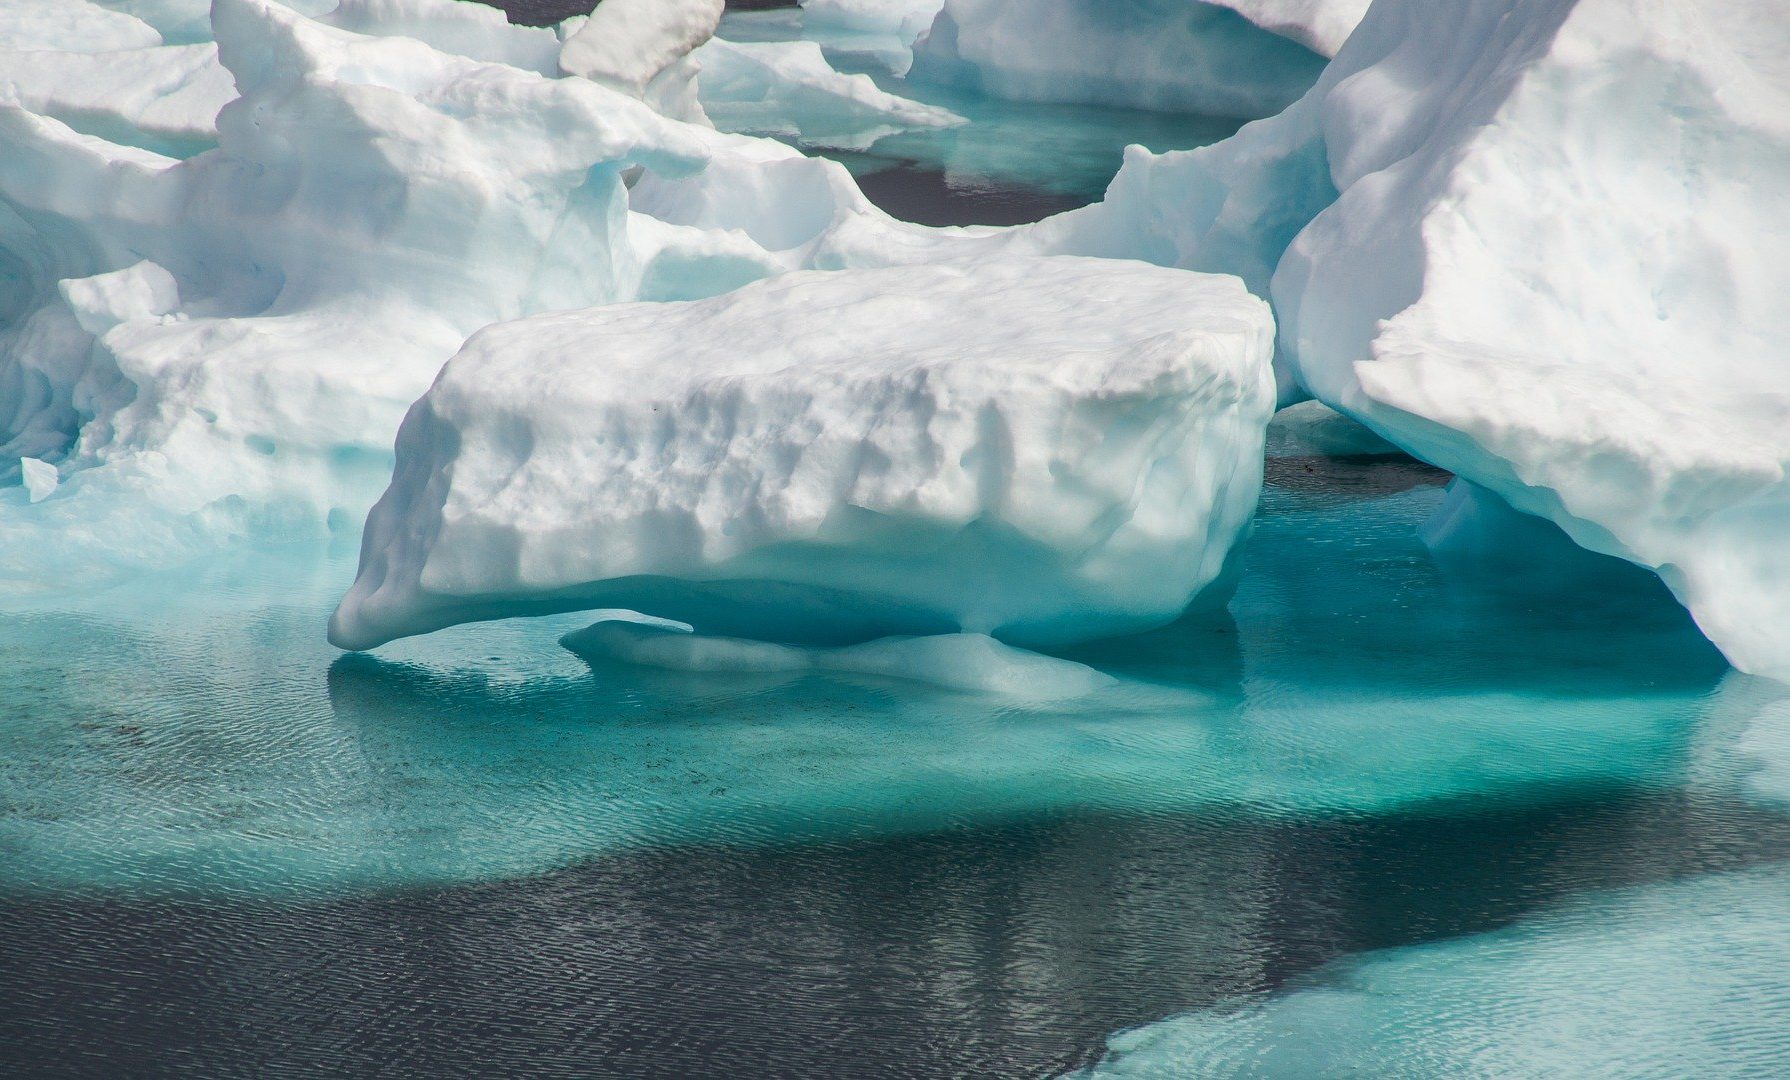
x: 642, y: 47
x: 788, y: 88
x: 974, y: 662
x: 1577, y: 297
x: 40, y: 478
x: 1037, y: 449
x: 1320, y: 25
x: 1169, y: 55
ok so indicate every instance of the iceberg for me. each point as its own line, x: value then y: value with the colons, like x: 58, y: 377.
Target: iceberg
x: 1574, y: 304
x: 1168, y: 55
x: 1040, y: 450
x: 1578, y: 297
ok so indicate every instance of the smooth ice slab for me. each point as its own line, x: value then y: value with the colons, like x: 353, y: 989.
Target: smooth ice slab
x: 1037, y: 449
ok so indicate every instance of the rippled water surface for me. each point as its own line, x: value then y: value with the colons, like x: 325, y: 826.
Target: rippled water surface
x: 229, y: 848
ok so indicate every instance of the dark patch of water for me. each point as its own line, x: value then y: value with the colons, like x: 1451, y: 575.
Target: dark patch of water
x: 995, y: 951
x: 927, y: 196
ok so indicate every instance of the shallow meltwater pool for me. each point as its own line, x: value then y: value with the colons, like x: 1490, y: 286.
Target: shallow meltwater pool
x: 1409, y: 815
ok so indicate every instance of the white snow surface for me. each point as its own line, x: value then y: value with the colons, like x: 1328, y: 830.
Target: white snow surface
x: 370, y: 202
x: 1167, y: 55
x: 1043, y: 450
x: 788, y: 88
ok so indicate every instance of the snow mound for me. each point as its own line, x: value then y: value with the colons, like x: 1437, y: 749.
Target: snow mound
x: 1166, y: 55
x: 789, y: 89
x: 970, y: 662
x: 1037, y: 449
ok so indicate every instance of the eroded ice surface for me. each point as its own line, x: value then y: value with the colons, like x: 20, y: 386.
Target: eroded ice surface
x: 1038, y: 449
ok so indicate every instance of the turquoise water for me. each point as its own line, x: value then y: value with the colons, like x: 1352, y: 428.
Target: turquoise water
x: 1388, y: 812
x: 1013, y: 162
x: 1389, y: 816
x: 193, y: 732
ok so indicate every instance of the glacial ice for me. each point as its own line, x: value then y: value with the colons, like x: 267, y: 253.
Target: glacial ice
x: 789, y: 89
x: 1170, y: 55
x: 370, y: 203
x: 71, y: 26
x: 1683, y: 978
x: 1042, y: 450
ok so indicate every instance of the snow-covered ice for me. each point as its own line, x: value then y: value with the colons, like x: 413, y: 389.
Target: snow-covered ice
x: 1042, y: 450
x: 1577, y: 299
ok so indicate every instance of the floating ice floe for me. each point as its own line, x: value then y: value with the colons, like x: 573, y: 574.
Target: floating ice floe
x: 1172, y: 55
x: 787, y: 88
x: 1043, y: 450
